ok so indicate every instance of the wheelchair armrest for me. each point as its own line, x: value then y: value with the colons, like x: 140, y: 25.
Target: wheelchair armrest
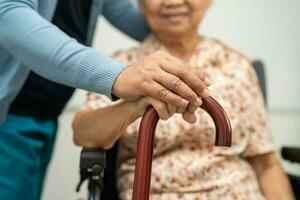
x: 92, y: 166
x: 291, y: 154
x: 90, y: 157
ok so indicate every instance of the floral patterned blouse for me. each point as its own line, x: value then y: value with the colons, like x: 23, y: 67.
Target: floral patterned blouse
x: 186, y: 164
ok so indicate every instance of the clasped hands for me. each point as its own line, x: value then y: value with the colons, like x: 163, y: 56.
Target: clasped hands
x: 167, y: 83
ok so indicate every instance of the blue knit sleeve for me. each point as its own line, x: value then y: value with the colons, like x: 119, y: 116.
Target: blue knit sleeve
x: 49, y: 52
x: 124, y: 16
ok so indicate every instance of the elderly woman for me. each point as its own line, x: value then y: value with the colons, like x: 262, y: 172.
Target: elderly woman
x: 186, y: 165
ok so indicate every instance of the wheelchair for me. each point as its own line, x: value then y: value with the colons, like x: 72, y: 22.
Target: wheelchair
x: 98, y: 166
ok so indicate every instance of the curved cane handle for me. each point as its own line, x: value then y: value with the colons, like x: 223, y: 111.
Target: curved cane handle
x: 148, y: 124
x: 221, y: 121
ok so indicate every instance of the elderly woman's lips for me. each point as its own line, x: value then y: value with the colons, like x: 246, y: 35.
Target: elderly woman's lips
x: 175, y: 17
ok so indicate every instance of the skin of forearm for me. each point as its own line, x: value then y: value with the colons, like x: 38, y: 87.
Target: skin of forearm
x: 100, y: 128
x: 275, y: 184
x: 272, y: 179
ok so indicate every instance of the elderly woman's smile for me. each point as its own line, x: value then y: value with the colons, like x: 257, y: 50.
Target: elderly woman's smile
x: 174, y: 17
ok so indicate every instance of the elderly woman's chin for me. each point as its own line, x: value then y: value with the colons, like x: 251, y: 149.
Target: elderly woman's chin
x: 175, y: 29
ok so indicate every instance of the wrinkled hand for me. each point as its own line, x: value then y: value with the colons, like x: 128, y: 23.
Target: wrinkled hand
x: 164, y: 110
x: 165, y: 78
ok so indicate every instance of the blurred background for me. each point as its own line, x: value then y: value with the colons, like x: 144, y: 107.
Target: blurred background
x: 267, y: 30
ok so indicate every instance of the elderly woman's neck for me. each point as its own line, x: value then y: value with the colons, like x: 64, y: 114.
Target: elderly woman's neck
x: 182, y: 47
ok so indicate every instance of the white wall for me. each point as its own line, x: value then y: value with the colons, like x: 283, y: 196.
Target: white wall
x: 268, y: 29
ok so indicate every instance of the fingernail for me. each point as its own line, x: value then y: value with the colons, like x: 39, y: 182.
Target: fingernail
x: 205, y: 93
x: 184, y: 102
x: 207, y: 81
x: 199, y: 102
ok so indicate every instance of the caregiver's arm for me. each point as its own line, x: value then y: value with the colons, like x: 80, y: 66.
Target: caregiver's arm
x: 100, y: 128
x: 49, y: 52
x: 124, y: 16
x: 272, y: 179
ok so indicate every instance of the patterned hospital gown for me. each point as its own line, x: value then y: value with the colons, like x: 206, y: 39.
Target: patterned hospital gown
x: 186, y: 164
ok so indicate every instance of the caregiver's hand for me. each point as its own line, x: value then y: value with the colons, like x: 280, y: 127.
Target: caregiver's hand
x: 166, y: 78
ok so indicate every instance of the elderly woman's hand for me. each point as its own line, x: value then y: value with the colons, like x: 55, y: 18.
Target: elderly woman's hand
x: 102, y: 127
x: 164, y: 110
x: 166, y: 78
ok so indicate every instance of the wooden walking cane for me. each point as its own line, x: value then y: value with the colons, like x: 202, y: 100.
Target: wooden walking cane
x: 143, y: 165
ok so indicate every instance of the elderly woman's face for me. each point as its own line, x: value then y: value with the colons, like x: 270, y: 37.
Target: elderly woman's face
x: 174, y: 17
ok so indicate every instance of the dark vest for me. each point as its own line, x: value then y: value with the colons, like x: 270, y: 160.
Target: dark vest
x: 39, y: 97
